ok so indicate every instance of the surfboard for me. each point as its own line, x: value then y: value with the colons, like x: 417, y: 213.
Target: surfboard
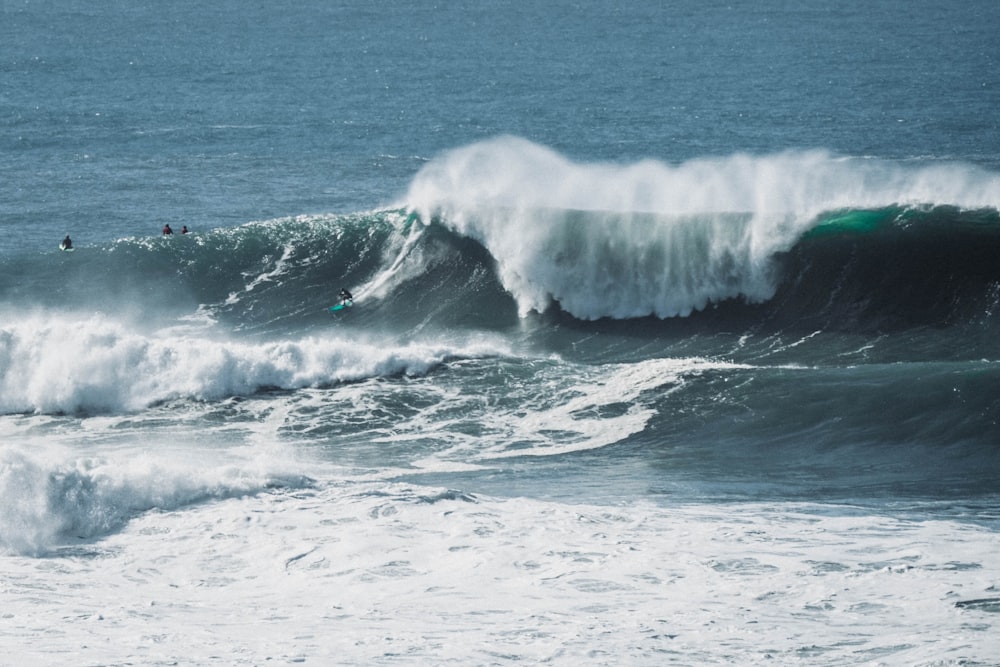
x: 65, y: 249
x: 341, y: 306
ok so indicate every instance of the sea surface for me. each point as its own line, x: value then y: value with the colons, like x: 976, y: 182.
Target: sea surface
x: 675, y: 339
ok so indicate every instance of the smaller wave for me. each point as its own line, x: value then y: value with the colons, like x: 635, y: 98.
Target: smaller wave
x: 62, y: 365
x: 49, y: 497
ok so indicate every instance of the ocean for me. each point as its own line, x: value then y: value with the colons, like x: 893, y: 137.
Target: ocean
x: 675, y: 336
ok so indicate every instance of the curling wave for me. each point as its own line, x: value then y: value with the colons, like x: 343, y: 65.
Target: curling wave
x: 626, y: 241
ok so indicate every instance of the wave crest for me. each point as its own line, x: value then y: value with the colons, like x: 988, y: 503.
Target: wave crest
x: 607, y: 240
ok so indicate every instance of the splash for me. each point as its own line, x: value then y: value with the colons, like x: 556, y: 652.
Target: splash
x: 652, y: 238
x: 58, y: 364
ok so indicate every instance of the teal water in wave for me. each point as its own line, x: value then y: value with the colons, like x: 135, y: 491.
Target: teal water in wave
x: 675, y: 333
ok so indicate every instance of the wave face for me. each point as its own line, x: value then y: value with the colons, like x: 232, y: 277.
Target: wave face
x: 795, y: 325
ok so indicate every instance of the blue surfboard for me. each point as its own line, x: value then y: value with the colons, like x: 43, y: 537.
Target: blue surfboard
x: 341, y: 306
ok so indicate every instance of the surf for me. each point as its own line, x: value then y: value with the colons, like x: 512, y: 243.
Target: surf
x: 658, y: 239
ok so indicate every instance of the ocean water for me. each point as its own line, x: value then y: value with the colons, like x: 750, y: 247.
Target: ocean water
x: 676, y: 333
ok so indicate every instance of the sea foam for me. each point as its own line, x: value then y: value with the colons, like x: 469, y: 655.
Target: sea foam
x: 651, y: 238
x: 59, y: 364
x: 50, y: 496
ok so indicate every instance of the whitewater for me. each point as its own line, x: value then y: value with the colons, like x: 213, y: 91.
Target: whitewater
x: 674, y: 341
x: 660, y: 239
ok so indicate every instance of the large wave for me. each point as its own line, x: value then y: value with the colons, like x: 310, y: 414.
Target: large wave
x: 797, y: 241
x: 624, y: 241
x: 507, y: 227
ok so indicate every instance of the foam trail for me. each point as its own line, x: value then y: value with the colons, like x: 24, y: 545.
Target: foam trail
x: 653, y: 238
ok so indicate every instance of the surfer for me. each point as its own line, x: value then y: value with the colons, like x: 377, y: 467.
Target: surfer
x: 67, y: 243
x: 166, y: 230
x: 345, y: 296
x: 184, y: 229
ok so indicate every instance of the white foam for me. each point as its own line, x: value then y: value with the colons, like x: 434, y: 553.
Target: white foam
x: 51, y: 493
x: 574, y: 416
x: 565, y: 408
x: 657, y: 238
x: 60, y: 363
x: 380, y: 573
